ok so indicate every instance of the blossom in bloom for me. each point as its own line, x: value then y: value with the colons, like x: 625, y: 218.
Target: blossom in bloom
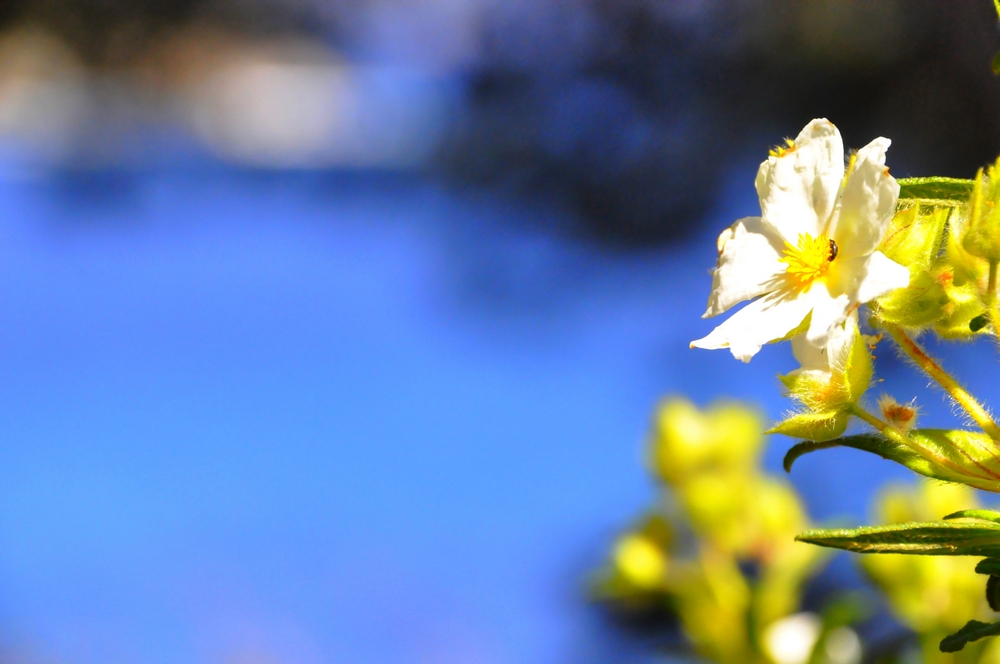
x: 810, y: 258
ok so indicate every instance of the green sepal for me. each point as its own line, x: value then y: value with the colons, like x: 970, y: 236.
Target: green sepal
x: 921, y: 303
x: 943, y: 189
x: 915, y: 236
x: 914, y: 239
x: 964, y: 306
x: 931, y: 538
x: 988, y: 566
x: 969, y: 457
x: 813, y: 426
x: 973, y: 631
x: 982, y: 515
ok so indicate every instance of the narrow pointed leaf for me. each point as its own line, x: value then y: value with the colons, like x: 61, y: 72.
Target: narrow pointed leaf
x: 988, y: 566
x: 982, y: 515
x: 946, y: 189
x: 805, y: 447
x: 973, y: 631
x: 933, y: 538
x: 969, y: 457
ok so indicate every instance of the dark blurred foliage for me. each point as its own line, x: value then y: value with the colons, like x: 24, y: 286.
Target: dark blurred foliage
x: 116, y: 33
x: 628, y: 111
x: 634, y: 127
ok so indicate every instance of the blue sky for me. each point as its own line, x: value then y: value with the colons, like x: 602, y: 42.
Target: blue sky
x: 319, y: 418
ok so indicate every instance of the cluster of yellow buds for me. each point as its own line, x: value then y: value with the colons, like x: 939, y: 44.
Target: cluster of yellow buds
x: 719, y: 515
x: 951, y: 247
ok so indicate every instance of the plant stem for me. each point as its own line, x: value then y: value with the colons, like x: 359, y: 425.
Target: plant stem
x: 883, y: 428
x: 863, y: 414
x: 968, y: 402
x: 990, y: 300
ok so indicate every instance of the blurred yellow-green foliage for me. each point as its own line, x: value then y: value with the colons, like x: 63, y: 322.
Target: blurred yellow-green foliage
x: 932, y: 595
x: 718, y: 516
x: 718, y: 550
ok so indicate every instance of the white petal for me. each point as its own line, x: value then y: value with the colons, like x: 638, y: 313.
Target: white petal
x: 868, y: 203
x: 829, y: 310
x: 823, y: 358
x: 766, y: 319
x: 810, y: 356
x: 748, y: 264
x: 799, y: 189
x: 882, y: 275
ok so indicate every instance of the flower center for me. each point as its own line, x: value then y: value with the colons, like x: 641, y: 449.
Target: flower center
x: 810, y: 259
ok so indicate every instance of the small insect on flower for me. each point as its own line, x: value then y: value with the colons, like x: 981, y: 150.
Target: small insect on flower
x: 833, y: 251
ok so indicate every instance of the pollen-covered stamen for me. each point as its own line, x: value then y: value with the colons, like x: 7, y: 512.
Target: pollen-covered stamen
x: 782, y: 150
x: 810, y: 259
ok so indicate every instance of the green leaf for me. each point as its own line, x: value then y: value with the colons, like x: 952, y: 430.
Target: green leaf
x: 973, y: 631
x: 813, y: 426
x: 944, y: 189
x: 969, y: 457
x: 988, y: 566
x: 983, y: 515
x: 805, y: 447
x: 995, y: 65
x: 932, y: 538
x: 993, y: 592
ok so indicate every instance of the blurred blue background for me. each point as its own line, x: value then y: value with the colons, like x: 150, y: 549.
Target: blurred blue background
x: 330, y: 332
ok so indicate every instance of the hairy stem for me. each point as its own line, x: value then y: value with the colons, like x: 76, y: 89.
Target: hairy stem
x: 883, y: 428
x: 968, y: 402
x: 990, y: 299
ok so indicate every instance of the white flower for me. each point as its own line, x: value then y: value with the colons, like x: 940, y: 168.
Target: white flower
x: 810, y: 258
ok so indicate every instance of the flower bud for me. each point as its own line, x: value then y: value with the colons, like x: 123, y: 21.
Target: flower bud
x: 829, y: 382
x: 914, y: 240
x: 896, y: 415
x: 982, y: 235
x: 687, y: 442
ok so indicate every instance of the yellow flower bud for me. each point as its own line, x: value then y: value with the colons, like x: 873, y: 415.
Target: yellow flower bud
x: 640, y: 562
x: 687, y: 441
x: 914, y: 239
x: 982, y: 235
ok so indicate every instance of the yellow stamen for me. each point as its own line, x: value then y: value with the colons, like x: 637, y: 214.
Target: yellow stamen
x: 782, y: 150
x: 808, y: 261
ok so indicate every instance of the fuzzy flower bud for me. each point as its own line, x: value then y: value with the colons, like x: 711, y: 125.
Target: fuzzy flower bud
x: 688, y: 442
x: 982, y: 236
x: 903, y: 418
x: 829, y: 383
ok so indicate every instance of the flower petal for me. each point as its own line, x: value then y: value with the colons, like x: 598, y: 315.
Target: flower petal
x: 749, y: 264
x: 798, y: 190
x: 829, y: 310
x: 825, y: 358
x: 868, y: 202
x: 882, y: 275
x: 810, y: 356
x: 766, y: 319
